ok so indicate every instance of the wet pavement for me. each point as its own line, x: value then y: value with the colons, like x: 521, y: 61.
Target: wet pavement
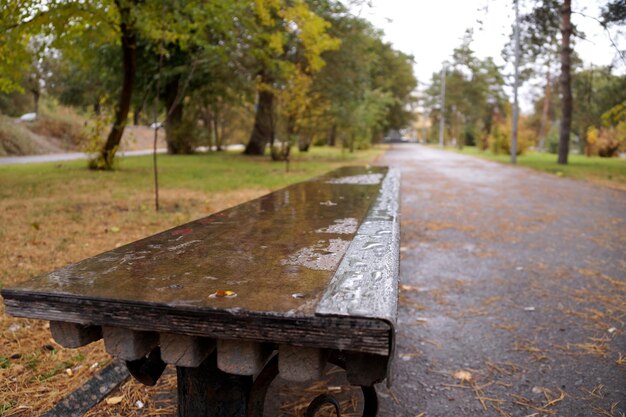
x: 71, y: 156
x: 513, y: 292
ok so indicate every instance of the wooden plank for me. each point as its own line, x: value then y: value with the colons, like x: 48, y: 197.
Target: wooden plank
x: 241, y: 357
x: 342, y: 333
x: 300, y: 364
x: 128, y: 344
x: 366, y: 281
x: 73, y: 335
x: 182, y: 350
x: 276, y: 254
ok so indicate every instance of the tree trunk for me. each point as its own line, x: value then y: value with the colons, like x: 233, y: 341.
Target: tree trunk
x: 36, y: 95
x: 263, y: 130
x: 216, y: 129
x: 136, y: 115
x: 566, y: 82
x: 332, y: 136
x: 207, y: 120
x: 177, y: 143
x: 304, y: 142
x: 129, y: 60
x: 544, y: 114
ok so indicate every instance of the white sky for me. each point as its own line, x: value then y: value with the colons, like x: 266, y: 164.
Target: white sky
x: 430, y: 29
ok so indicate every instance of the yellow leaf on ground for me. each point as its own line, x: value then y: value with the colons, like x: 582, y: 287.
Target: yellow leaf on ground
x: 115, y: 400
x: 463, y: 375
x: 223, y: 293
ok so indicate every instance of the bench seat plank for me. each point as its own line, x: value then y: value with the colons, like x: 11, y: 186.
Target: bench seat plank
x: 276, y: 254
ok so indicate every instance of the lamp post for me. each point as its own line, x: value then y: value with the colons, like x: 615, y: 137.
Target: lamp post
x: 442, y: 101
x: 514, y: 128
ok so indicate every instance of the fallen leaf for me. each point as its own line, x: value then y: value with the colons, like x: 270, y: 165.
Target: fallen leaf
x: 223, y: 294
x: 463, y: 375
x: 405, y: 287
x: 115, y: 229
x: 114, y: 400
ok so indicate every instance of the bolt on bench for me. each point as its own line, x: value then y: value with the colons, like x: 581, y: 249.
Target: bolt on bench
x: 281, y: 284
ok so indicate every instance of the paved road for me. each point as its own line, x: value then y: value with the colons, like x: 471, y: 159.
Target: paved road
x: 57, y: 157
x: 514, y: 292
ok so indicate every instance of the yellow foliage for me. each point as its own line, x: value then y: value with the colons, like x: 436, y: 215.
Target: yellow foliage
x: 608, y: 140
x: 275, y: 42
x: 592, y: 135
x: 311, y: 29
x: 500, y: 138
x: 263, y: 10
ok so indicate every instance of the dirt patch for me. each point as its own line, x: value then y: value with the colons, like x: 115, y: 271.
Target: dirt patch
x: 141, y: 137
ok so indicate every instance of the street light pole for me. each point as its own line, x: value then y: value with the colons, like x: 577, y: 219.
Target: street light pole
x: 514, y: 128
x: 442, y: 103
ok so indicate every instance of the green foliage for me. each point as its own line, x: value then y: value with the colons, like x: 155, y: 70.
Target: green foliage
x: 475, y: 97
x: 553, y: 140
x: 327, y: 69
x: 614, y: 12
x: 365, y: 87
x: 596, y: 90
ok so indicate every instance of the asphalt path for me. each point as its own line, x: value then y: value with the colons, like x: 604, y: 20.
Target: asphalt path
x: 58, y: 157
x: 513, y: 292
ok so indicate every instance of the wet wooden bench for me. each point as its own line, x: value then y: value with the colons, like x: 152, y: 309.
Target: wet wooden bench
x: 281, y: 284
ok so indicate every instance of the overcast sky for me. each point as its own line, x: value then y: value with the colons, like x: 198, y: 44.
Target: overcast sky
x: 430, y: 29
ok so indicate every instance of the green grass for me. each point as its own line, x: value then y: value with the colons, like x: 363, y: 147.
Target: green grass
x: 212, y: 172
x: 607, y: 171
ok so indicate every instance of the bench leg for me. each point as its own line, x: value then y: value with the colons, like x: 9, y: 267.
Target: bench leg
x: 206, y: 391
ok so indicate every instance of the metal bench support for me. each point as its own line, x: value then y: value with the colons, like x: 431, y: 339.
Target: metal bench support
x: 206, y: 391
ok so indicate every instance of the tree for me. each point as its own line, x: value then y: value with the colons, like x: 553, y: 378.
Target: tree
x: 474, y: 96
x: 566, y: 83
x: 288, y: 42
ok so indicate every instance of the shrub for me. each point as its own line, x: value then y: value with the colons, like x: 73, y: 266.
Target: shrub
x: 606, y: 142
x: 500, y: 138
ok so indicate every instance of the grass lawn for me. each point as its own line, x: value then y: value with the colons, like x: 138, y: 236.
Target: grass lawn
x: 606, y: 171
x: 52, y: 214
